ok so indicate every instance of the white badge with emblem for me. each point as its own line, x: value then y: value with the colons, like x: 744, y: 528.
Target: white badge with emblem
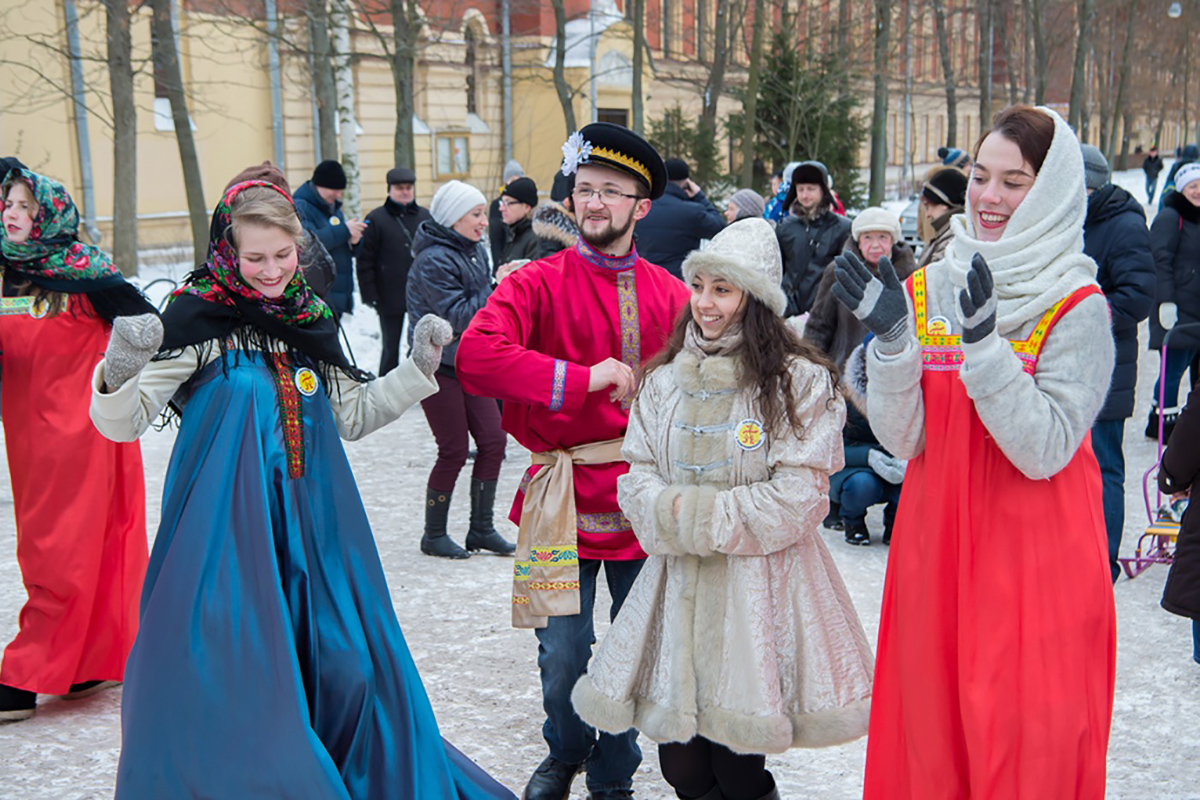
x: 938, y: 326
x: 334, y: 221
x: 750, y: 434
x: 306, y: 382
x: 39, y: 308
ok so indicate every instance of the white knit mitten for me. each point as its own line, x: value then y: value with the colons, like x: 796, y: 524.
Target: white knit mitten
x: 133, y: 342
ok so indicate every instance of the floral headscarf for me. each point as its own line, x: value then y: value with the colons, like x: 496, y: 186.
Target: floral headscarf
x: 220, y: 276
x: 53, y: 257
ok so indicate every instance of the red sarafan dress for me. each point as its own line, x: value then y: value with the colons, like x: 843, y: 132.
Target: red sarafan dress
x: 997, y: 640
x: 79, y: 501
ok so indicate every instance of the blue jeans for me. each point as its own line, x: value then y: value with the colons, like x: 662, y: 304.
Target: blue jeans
x: 1107, y: 439
x: 1178, y: 362
x: 1151, y: 187
x: 564, y: 649
x: 864, y: 489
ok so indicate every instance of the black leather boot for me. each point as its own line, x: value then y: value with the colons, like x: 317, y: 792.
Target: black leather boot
x: 856, y: 532
x: 889, y: 520
x: 482, y: 534
x: 436, y: 542
x: 551, y: 780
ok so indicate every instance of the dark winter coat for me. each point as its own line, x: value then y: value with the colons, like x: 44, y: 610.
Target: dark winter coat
x: 1116, y: 237
x: 385, y: 255
x: 1190, y: 153
x: 328, y: 224
x: 520, y: 242
x: 1175, y: 241
x: 1180, y: 470
x: 1152, y: 165
x: 674, y: 227
x: 554, y: 227
x: 317, y: 264
x: 831, y: 326
x: 808, y: 245
x: 941, y: 240
x: 495, y: 234
x: 450, y: 278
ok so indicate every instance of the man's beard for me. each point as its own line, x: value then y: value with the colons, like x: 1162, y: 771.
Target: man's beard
x: 606, y: 236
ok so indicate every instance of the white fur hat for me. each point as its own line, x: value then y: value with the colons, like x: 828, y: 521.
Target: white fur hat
x: 452, y: 202
x: 747, y: 255
x: 876, y: 219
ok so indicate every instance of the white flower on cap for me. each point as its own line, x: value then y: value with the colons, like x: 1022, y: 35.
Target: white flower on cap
x: 576, y: 150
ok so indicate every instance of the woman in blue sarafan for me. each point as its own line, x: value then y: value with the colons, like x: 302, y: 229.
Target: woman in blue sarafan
x: 269, y: 663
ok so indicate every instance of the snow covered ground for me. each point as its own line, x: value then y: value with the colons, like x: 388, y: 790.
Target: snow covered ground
x: 482, y: 677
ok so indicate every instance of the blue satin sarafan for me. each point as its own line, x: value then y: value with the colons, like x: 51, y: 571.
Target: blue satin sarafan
x: 270, y: 663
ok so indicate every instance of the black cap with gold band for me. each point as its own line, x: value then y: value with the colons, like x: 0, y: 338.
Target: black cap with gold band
x: 603, y: 144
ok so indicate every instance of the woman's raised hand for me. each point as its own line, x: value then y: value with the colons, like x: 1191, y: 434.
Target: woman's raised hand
x: 133, y: 342
x: 978, y: 302
x: 879, y: 302
x: 431, y: 334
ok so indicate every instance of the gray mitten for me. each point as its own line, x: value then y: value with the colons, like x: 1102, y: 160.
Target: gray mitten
x: 890, y: 468
x: 879, y: 302
x: 133, y: 342
x: 978, y: 302
x: 429, y: 337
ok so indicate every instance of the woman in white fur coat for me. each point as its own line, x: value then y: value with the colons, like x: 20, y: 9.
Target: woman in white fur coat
x: 996, y: 658
x: 739, y: 638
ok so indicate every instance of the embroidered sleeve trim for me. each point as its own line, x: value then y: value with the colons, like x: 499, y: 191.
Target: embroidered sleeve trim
x: 558, y: 392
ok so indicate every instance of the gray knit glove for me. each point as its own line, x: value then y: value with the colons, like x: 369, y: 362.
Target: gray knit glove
x: 888, y: 467
x: 429, y: 337
x: 133, y: 342
x: 879, y: 302
x: 978, y: 302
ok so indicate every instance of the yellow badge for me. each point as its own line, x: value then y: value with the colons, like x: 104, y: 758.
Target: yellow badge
x: 334, y: 221
x: 39, y: 308
x: 306, y: 381
x: 750, y: 434
x: 938, y: 326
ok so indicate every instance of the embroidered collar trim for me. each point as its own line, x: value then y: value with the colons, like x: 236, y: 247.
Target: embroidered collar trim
x: 606, y: 262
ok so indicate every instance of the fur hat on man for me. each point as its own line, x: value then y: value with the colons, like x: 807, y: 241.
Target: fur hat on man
x: 746, y: 254
x: 452, y: 202
x: 876, y: 219
x: 1187, y: 173
x: 329, y: 175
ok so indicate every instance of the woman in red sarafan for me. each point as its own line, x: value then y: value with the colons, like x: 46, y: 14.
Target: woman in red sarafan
x: 79, y: 499
x: 996, y: 659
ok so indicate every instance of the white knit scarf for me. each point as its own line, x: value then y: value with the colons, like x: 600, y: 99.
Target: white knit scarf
x: 1039, y: 258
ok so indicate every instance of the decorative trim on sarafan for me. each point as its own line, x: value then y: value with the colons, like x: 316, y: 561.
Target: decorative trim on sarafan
x: 631, y: 332
x: 603, y: 522
x: 558, y: 391
x: 944, y: 353
x: 10, y: 306
x: 603, y: 261
x: 554, y: 586
x: 290, y: 414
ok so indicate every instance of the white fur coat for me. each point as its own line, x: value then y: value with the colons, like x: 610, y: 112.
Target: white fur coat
x: 739, y: 628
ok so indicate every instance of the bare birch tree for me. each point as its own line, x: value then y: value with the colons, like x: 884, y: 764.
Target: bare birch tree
x: 124, y: 111
x: 879, y: 158
x: 343, y: 75
x: 943, y: 39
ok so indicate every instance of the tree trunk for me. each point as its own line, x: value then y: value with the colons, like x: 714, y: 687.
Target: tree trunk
x: 943, y: 39
x: 1002, y: 33
x: 879, y: 159
x: 1118, y: 109
x: 1040, y: 56
x: 639, y: 62
x: 1086, y: 9
x: 404, y: 52
x: 983, y: 15
x: 845, y: 19
x: 166, y: 57
x: 120, y: 81
x: 1126, y: 127
x: 713, y: 88
x: 1027, y: 48
x: 560, y: 76
x: 343, y: 74
x: 322, y: 77
x: 750, y: 129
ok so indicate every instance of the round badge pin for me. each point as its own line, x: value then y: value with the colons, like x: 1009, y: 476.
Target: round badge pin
x: 938, y: 326
x: 39, y: 308
x: 334, y: 221
x: 750, y: 434
x: 306, y: 382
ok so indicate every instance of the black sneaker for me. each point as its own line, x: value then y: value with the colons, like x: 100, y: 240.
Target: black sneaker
x: 16, y: 704
x: 88, y: 688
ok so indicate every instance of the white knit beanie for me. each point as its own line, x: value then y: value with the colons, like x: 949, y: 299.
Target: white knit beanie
x: 746, y: 254
x: 876, y: 219
x: 1187, y: 173
x: 452, y: 202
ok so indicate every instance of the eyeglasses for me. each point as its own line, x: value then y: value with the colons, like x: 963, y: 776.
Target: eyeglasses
x: 506, y: 203
x: 608, y: 196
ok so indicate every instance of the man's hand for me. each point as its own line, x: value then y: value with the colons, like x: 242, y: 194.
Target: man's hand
x: 504, y: 270
x: 611, y: 372
x: 691, y: 188
x: 356, y: 228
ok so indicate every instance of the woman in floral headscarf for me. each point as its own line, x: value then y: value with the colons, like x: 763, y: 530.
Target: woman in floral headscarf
x: 270, y: 662
x: 79, y: 499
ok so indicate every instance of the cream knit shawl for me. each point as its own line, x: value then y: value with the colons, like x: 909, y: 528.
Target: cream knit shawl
x: 1039, y: 258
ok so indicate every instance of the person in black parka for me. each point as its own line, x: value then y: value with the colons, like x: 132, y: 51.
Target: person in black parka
x: 1152, y: 165
x: 384, y: 257
x: 810, y: 234
x: 1116, y: 237
x: 319, y: 204
x: 1175, y: 242
x: 1177, y: 475
x: 677, y: 221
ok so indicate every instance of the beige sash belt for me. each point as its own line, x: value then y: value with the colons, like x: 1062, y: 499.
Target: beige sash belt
x: 546, y: 575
